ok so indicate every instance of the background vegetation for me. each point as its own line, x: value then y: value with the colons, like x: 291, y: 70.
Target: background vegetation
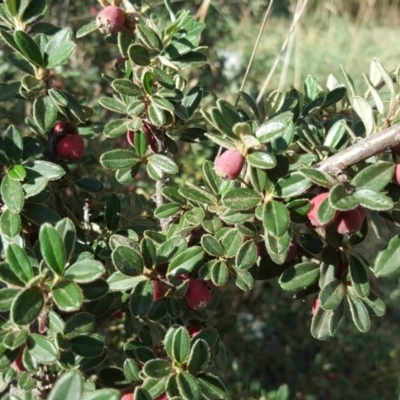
x: 272, y: 345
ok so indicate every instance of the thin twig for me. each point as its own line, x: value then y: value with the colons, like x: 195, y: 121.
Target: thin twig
x: 296, y: 19
x: 362, y: 150
x: 254, y: 50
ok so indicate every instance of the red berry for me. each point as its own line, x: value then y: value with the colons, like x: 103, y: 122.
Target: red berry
x: 397, y: 174
x: 71, y: 147
x: 315, y: 305
x: 197, y: 295
x: 158, y: 289
x: 17, y: 364
x: 162, y: 396
x: 110, y: 20
x: 315, y: 204
x: 229, y: 164
x: 342, y: 268
x: 350, y: 221
x: 193, y: 330
x: 292, y: 252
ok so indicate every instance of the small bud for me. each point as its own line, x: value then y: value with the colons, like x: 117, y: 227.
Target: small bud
x: 315, y: 204
x: 229, y: 164
x: 110, y: 20
x: 71, y: 147
x: 193, y: 330
x: 350, y: 221
x: 197, y: 295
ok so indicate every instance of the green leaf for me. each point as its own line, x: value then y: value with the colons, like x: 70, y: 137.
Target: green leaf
x: 17, y: 173
x: 128, y: 261
x: 12, y: 194
x: 332, y: 294
x: 166, y: 210
x: 141, y: 298
x: 10, y: 223
x: 186, y: 261
x: 198, y: 357
x: 86, y: 29
x: 104, y: 394
x: 27, y: 306
x: 341, y: 200
x: 275, y: 218
x: 163, y: 163
x: 244, y: 280
x: 199, y: 195
x: 89, y: 185
x: 374, y: 177
x: 87, y: 345
x: 292, y: 185
x: 141, y: 394
x: 126, y: 87
x: 156, y: 115
x: 19, y: 262
x: 113, y: 105
x: 52, y: 248
x: 187, y: 386
x: 44, y: 112
x: 299, y: 276
x: 335, y: 134
x: 387, y: 260
x: 78, y: 324
x: 13, y: 145
x: 28, y: 48
x: 240, y: 199
x: 68, y: 387
x: 139, y: 55
x: 114, y: 377
x: 157, y: 368
x: 260, y: 159
x: 60, y: 54
x: 67, y: 295
x: 42, y: 349
x: 40, y: 214
x: 374, y: 304
x: 120, y: 158
x: 47, y: 169
x: 359, y: 277
x: 15, y: 339
x: 119, y: 281
x: 219, y: 273
x: 66, y: 230
x: 7, y: 297
x: 320, y: 324
x: 270, y: 131
x: 247, y: 255
x: 320, y: 178
x: 211, y: 387
x: 373, y: 200
x: 34, y: 11
x: 113, y: 212
x: 359, y: 313
x: 211, y: 245
x: 85, y: 271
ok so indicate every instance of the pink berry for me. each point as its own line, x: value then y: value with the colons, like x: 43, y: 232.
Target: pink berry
x: 315, y: 305
x: 397, y: 174
x: 197, y: 295
x: 110, y: 20
x: 315, y: 204
x: 17, y: 364
x: 127, y: 396
x: 71, y: 147
x: 229, y: 164
x: 350, y: 221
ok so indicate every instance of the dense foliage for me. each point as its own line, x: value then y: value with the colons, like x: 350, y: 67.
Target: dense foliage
x: 109, y: 285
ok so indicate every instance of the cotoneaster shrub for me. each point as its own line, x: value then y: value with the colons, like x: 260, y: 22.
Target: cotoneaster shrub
x: 109, y: 295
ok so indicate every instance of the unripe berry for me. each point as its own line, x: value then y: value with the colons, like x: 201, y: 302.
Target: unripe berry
x: 315, y: 204
x: 71, y: 147
x: 197, y: 295
x: 110, y: 20
x: 229, y: 164
x: 396, y: 176
x: 350, y: 221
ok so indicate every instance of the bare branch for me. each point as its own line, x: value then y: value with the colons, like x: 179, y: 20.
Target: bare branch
x: 362, y: 150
